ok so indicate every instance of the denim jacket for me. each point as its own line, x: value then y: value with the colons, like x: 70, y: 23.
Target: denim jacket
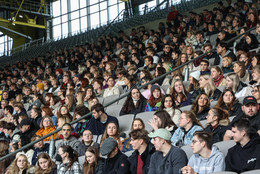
x: 179, y: 137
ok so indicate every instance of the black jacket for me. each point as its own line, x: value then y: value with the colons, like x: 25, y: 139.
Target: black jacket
x: 197, y: 92
x: 236, y: 109
x: 240, y: 159
x: 241, y: 85
x: 117, y: 165
x: 139, y: 109
x: 218, y: 132
x: 145, y: 156
x: 203, y: 114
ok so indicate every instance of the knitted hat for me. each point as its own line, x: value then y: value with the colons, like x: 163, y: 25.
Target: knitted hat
x: 155, y: 87
x: 40, y: 86
x: 195, y: 75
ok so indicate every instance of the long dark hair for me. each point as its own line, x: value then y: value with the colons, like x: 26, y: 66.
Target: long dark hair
x: 195, y: 105
x: 90, y: 168
x: 129, y: 103
x: 221, y: 102
x: 161, y: 108
x: 165, y: 119
x: 73, y: 155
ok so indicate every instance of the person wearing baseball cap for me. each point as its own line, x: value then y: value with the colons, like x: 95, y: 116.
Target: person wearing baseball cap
x: 168, y: 159
x: 251, y: 112
x: 116, y: 161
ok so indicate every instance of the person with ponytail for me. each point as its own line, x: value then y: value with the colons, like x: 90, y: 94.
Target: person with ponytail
x: 93, y: 163
x: 187, y: 127
x: 69, y: 164
x: 217, y: 120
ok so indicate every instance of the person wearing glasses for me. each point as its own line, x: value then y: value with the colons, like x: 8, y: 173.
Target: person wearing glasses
x: 206, y: 157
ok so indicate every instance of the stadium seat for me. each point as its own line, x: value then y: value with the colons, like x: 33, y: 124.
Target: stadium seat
x: 129, y: 153
x: 221, y: 88
x: 125, y: 122
x: 122, y: 101
x: 188, y: 150
x: 252, y: 172
x: 225, y: 145
x: 186, y: 108
x: 26, y: 106
x: 224, y: 172
x: 110, y: 99
x: 100, y: 99
x: 81, y: 160
x: 165, y: 88
x: 203, y: 123
x: 113, y: 110
x: 146, y: 116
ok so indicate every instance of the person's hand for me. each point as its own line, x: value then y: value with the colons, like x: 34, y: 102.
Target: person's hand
x: 228, y: 135
x: 258, y: 132
x: 188, y: 170
x: 153, y: 123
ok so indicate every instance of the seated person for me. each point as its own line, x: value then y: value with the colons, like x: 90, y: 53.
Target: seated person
x: 136, y: 124
x: 201, y: 106
x: 187, y: 126
x: 80, y: 111
x: 155, y: 100
x: 98, y: 123
x: 167, y: 158
x: 217, y: 121
x: 228, y: 101
x: 237, y: 86
x: 206, y: 157
x: 244, y: 156
x: 208, y: 87
x: 204, y: 67
x: 135, y: 103
x: 111, y: 89
x: 46, y: 127
x: 116, y: 161
x: 39, y: 148
x: 180, y: 94
x: 87, y: 141
x: 140, y: 158
x: 251, y: 112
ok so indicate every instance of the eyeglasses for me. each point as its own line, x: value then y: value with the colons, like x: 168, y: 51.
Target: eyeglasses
x: 253, y: 91
x: 194, y: 141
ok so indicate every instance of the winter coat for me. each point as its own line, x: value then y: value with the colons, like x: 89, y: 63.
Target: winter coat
x: 215, y: 96
x: 145, y: 156
x: 117, y: 165
x: 219, y: 131
x: 181, y: 138
x: 44, y: 131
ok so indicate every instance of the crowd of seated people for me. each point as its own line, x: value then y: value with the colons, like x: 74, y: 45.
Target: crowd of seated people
x: 47, y: 92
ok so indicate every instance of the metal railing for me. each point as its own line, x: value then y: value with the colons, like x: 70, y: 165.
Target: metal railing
x: 121, y: 97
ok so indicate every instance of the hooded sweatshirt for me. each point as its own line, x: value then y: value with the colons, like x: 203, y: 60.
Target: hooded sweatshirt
x: 240, y: 159
x: 215, y: 162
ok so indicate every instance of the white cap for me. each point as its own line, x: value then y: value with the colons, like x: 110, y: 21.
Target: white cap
x: 195, y: 75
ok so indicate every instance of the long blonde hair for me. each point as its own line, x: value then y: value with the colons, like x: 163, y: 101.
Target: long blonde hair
x: 235, y: 79
x: 14, y: 169
x: 210, y: 86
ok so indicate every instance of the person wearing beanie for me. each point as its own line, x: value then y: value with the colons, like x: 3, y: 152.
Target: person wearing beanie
x: 154, y: 102
x: 194, y: 81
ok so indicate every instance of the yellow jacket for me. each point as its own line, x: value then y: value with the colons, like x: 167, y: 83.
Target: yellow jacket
x: 44, y: 131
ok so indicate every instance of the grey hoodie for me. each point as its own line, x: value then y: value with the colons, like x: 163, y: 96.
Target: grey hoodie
x: 215, y: 162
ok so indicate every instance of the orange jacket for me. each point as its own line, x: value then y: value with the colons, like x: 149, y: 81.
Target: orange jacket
x: 44, y: 131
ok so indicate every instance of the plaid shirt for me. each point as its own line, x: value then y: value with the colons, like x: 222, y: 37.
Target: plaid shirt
x: 75, y: 168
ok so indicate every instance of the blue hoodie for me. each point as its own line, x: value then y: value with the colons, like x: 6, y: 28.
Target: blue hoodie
x: 215, y: 162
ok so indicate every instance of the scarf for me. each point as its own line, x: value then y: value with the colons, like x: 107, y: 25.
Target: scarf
x: 135, y: 101
x: 218, y: 80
